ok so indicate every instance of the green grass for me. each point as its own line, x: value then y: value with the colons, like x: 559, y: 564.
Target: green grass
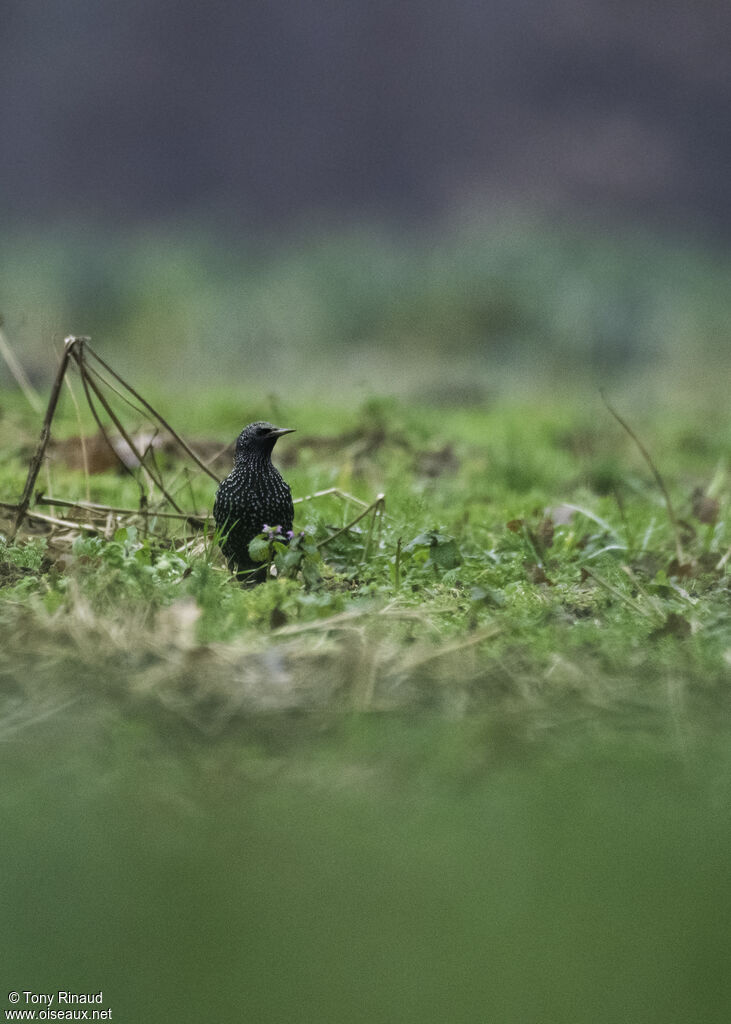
x: 479, y: 770
x: 542, y: 528
x: 477, y: 796
x: 429, y: 870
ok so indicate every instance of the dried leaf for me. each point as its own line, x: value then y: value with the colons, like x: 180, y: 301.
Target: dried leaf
x: 682, y: 570
x: 487, y: 595
x: 544, y: 532
x: 516, y: 525
x: 536, y: 573
x: 705, y: 509
x: 675, y: 625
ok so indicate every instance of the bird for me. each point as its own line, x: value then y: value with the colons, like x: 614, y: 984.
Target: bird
x: 252, y: 498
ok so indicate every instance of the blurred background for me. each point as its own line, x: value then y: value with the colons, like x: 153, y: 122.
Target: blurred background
x: 434, y: 198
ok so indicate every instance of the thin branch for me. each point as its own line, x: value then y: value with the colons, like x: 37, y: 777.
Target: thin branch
x: 92, y: 506
x: 35, y: 463
x: 336, y: 493
x: 43, y: 518
x: 120, y: 394
x: 82, y: 438
x: 120, y: 427
x: 154, y: 413
x: 372, y: 507
x: 183, y: 469
x: 103, y: 430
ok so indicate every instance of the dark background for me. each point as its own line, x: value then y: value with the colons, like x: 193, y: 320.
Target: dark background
x: 267, y: 112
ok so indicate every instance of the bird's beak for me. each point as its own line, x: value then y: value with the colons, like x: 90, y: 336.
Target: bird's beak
x: 278, y: 431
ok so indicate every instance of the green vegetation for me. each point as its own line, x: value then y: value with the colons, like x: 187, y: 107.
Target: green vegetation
x: 544, y: 530
x: 466, y: 757
x: 478, y: 770
x: 466, y: 311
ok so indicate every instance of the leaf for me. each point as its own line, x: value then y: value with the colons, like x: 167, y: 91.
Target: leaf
x: 486, y: 595
x: 442, y: 550
x: 544, y: 533
x: 705, y: 509
x: 682, y: 570
x: 675, y: 625
x: 311, y: 573
x: 445, y: 555
x: 515, y: 525
x: 286, y: 561
x: 424, y: 540
x: 536, y: 573
x: 259, y: 549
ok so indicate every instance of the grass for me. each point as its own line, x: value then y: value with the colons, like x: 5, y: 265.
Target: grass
x: 476, y: 765
x: 532, y: 545
x: 490, y: 784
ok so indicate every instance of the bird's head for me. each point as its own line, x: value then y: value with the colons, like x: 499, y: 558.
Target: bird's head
x: 259, y: 438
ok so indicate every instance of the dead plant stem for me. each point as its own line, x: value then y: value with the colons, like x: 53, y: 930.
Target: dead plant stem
x: 35, y: 463
x: 656, y: 473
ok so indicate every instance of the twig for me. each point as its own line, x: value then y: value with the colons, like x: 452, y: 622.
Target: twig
x: 183, y: 469
x: 92, y: 506
x: 156, y: 479
x: 344, y: 529
x: 43, y: 518
x: 82, y: 438
x: 336, y: 493
x: 120, y: 394
x: 154, y: 413
x: 105, y: 435
x: 35, y: 463
x: 656, y: 473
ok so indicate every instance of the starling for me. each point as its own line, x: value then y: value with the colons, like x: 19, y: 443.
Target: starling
x: 251, y: 497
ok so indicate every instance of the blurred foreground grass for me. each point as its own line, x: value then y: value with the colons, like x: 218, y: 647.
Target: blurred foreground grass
x: 372, y: 869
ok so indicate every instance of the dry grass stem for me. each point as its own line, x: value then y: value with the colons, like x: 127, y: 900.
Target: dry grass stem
x: 656, y: 473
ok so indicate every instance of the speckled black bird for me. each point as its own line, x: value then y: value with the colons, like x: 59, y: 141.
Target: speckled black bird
x: 252, y: 496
